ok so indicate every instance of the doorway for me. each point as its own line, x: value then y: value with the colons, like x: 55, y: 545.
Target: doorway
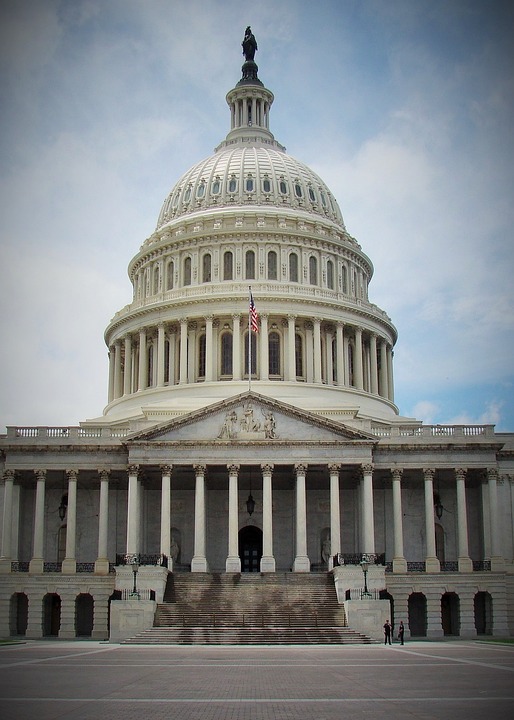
x: 250, y: 548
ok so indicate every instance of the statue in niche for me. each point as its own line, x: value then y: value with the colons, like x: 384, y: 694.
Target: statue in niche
x: 227, y: 431
x: 249, y: 44
x: 325, y: 550
x: 248, y: 422
x: 270, y: 426
x: 174, y: 549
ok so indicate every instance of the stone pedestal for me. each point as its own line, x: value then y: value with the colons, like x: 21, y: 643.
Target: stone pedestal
x: 69, y: 567
x: 5, y: 566
x: 199, y: 564
x: 432, y: 565
x: 102, y: 567
x: 301, y: 564
x: 36, y: 566
x: 233, y: 564
x: 465, y: 565
x: 267, y: 563
x: 399, y: 565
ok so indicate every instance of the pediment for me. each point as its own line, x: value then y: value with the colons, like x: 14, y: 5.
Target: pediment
x: 249, y: 417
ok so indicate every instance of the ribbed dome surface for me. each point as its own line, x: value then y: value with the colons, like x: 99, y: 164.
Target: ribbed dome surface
x: 247, y: 176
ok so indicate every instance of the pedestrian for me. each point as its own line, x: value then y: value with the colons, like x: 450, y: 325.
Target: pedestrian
x: 387, y: 632
x: 401, y: 632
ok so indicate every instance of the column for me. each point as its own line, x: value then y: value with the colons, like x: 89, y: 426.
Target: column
x: 373, y: 363
x: 69, y: 564
x: 233, y: 562
x: 166, y: 513
x: 335, y: 514
x: 268, y: 559
x: 161, y: 341
x: 183, y: 352
x: 102, y: 561
x: 192, y: 353
x: 133, y: 510
x: 301, y: 561
x: 171, y: 359
x: 465, y: 562
x: 291, y: 355
x: 390, y: 376
x: 110, y: 355
x: 209, y: 349
x: 329, y: 377
x: 199, y: 561
x: 431, y: 562
x: 127, y: 373
x: 264, y: 348
x: 117, y: 370
x: 383, y: 384
x: 317, y: 350
x: 143, y: 361
x: 340, y: 355
x: 36, y: 564
x: 357, y: 360
x: 368, y: 522
x: 5, y: 559
x: 497, y: 561
x: 236, y: 347
x: 399, y: 562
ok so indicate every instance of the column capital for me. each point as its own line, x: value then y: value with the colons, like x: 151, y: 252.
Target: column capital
x: 200, y: 469
x: 460, y: 473
x: 183, y: 321
x: 72, y: 474
x: 134, y: 470
x: 103, y: 473
x: 367, y: 469
x: 334, y: 468
x: 233, y: 468
x: 300, y: 468
x: 40, y: 474
x: 428, y: 473
x: 209, y: 318
x: 267, y: 468
x: 166, y: 469
x: 491, y: 473
x: 396, y: 473
x: 8, y: 475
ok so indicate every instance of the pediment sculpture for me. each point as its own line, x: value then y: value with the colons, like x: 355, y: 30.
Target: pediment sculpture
x: 247, y: 425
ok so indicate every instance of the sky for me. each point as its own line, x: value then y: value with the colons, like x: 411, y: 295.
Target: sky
x: 403, y: 107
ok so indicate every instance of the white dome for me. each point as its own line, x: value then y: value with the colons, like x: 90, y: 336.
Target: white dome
x: 250, y: 175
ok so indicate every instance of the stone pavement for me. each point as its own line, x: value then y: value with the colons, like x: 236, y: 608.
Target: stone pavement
x: 91, y: 680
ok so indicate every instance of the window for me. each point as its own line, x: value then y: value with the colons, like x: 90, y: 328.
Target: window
x: 293, y: 267
x: 232, y: 185
x: 216, y: 187
x: 313, y: 270
x: 206, y: 268
x: 282, y: 186
x: 344, y: 279
x: 187, y: 195
x: 298, y: 190
x: 155, y: 280
x: 250, y: 265
x: 266, y: 185
x: 298, y: 351
x: 169, y: 276
x: 167, y: 350
x: 274, y: 353
x: 272, y: 265
x: 228, y: 266
x: 312, y: 195
x: 249, y: 185
x: 253, y: 340
x: 149, y: 368
x: 200, y: 190
x: 187, y: 271
x: 330, y: 274
x: 226, y: 354
x: 201, y: 356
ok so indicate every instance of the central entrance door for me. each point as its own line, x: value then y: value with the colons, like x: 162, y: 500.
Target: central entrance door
x: 250, y: 548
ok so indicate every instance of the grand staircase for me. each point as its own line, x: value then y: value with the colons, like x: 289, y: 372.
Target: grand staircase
x: 249, y: 609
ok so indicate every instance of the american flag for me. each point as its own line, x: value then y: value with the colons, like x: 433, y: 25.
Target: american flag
x: 254, y: 318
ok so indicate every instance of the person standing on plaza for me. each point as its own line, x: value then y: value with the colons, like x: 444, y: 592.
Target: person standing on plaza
x: 401, y: 632
x: 387, y: 632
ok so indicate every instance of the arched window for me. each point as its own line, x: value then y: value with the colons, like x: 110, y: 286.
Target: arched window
x: 313, y: 270
x: 149, y: 381
x: 226, y: 354
x: 250, y: 265
x: 298, y: 351
x: 187, y: 271
x: 350, y: 365
x: 167, y: 350
x: 272, y: 265
x: 344, y: 279
x: 228, y: 264
x: 169, y: 275
x: 293, y: 267
x: 253, y: 340
x: 201, y: 356
x: 206, y: 268
x: 155, y: 280
x: 274, y: 353
x: 330, y: 274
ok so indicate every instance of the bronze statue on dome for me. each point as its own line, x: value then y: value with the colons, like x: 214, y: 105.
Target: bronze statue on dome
x: 249, y: 44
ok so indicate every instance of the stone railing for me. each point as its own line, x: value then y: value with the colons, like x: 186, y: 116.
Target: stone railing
x: 433, y: 432
x: 59, y: 434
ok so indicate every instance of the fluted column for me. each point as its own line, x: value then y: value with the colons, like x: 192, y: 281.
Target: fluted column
x: 5, y: 560
x: 329, y: 358
x: 357, y: 361
x: 117, y: 370
x: 399, y: 562
x: 390, y: 375
x: 431, y: 561
x: 133, y: 510
x: 317, y: 350
x: 209, y: 349
x: 233, y: 562
x: 373, y: 364
x: 110, y: 355
x: 236, y: 347
x: 268, y: 559
x: 161, y: 341
x: 166, y: 513
x: 171, y: 356
x: 264, y: 347
x: 301, y: 561
x: 368, y: 522
x: 383, y: 384
x: 335, y: 513
x: 291, y: 355
x: 36, y: 564
x: 69, y: 564
x: 102, y: 561
x: 340, y: 356
x: 183, y: 352
x: 497, y: 561
x: 127, y: 371
x: 465, y: 562
x: 143, y: 361
x: 199, y: 561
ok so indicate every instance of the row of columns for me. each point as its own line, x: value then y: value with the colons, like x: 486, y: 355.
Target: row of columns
x: 301, y: 561
x: 129, y: 369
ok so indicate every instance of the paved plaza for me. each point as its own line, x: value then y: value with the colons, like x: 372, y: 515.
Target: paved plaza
x: 86, y: 680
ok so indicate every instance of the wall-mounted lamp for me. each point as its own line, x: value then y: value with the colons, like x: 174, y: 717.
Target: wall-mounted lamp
x: 63, y: 507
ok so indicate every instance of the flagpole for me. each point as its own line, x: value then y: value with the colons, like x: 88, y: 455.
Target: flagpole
x: 249, y: 338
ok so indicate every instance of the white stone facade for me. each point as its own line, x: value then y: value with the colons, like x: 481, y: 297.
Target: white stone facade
x: 311, y: 432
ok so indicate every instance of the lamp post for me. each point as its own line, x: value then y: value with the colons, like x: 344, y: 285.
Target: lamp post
x: 364, y: 566
x: 135, y: 568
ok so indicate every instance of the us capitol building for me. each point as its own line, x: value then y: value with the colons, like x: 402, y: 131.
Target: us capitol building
x: 277, y: 449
